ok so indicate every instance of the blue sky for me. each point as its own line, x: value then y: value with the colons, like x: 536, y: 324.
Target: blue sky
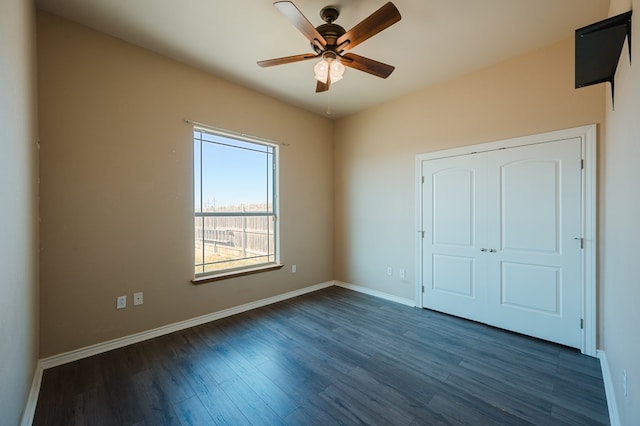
x: 232, y: 175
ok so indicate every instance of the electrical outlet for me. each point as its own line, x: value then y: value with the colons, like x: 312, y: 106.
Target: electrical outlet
x: 625, y: 383
x: 293, y: 269
x: 121, y: 302
x: 389, y: 270
x: 403, y: 273
x: 137, y: 299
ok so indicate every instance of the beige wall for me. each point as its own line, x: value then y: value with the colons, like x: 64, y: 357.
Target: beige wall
x: 619, y: 276
x: 18, y: 208
x: 116, y: 169
x: 375, y: 152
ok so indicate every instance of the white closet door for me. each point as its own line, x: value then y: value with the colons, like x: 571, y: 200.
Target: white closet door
x: 502, y: 238
x: 534, y: 211
x: 454, y: 217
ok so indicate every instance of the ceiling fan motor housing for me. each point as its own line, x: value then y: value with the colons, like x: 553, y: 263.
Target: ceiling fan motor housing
x: 330, y: 31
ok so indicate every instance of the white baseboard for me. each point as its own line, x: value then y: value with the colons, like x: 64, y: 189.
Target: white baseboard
x: 614, y: 416
x: 99, y: 348
x: 30, y: 408
x: 376, y: 293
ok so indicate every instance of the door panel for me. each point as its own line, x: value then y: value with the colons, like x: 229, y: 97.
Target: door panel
x: 453, y: 207
x: 531, y: 287
x: 529, y: 205
x: 534, y: 277
x: 455, y: 228
x: 454, y: 274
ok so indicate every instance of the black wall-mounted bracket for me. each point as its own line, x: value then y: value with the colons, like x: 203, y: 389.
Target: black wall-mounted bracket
x: 598, y: 47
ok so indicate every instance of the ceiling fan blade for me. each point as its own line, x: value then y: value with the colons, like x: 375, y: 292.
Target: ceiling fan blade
x: 323, y: 87
x: 382, y: 18
x: 367, y: 65
x: 296, y: 17
x: 287, y: 60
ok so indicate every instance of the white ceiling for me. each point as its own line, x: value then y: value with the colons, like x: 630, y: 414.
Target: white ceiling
x: 435, y: 40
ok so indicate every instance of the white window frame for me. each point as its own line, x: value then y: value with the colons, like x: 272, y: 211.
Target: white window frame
x: 274, y: 249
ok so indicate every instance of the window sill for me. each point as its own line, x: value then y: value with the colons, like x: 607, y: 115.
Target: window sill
x: 233, y: 274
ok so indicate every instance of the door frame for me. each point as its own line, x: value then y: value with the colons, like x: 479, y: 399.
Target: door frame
x: 587, y: 135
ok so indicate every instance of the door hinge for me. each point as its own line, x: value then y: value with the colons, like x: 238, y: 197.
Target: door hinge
x: 581, y: 164
x: 581, y: 323
x: 423, y: 289
x: 581, y: 241
x: 422, y: 179
x: 422, y: 232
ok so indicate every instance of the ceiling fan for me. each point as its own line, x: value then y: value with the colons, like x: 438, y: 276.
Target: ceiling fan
x: 329, y: 42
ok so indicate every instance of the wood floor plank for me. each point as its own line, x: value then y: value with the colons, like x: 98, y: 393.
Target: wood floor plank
x: 578, y: 417
x: 385, y: 395
x: 457, y: 411
x: 528, y: 407
x: 348, y: 408
x: 330, y: 357
x: 256, y: 410
x: 220, y: 407
x: 191, y: 412
x: 153, y: 400
x: 374, y: 403
x: 309, y: 414
x: 269, y: 392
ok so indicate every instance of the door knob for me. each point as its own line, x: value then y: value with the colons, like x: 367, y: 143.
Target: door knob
x: 483, y: 249
x: 492, y: 251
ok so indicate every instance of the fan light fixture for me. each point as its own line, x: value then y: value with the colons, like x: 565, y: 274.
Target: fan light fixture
x: 328, y: 68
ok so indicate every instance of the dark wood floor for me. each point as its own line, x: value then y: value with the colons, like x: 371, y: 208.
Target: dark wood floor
x: 329, y: 357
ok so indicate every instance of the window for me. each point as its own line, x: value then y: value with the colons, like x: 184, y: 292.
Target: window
x: 235, y: 203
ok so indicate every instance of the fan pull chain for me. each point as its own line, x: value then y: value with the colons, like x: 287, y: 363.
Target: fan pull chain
x: 328, y: 102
